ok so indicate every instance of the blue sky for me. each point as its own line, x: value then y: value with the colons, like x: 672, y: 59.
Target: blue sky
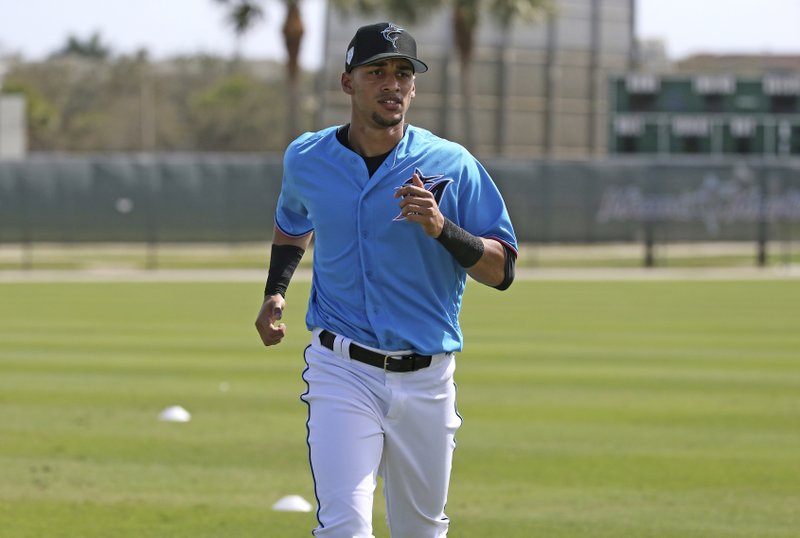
x: 36, y: 28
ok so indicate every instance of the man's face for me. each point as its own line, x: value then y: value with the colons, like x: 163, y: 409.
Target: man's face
x: 381, y: 92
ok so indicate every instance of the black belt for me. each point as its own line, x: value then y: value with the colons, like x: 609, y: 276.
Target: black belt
x: 390, y: 363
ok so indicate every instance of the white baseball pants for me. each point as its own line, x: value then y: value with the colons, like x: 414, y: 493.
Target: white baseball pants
x: 364, y: 422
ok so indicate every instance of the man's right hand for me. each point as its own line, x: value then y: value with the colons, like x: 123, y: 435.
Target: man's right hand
x: 267, y: 325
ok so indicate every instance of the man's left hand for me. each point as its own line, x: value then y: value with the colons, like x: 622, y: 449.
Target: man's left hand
x: 418, y: 205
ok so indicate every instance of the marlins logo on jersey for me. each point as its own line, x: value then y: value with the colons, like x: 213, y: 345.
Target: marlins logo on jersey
x: 436, y: 184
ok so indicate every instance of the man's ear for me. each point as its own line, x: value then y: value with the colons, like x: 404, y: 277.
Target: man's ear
x: 347, y: 83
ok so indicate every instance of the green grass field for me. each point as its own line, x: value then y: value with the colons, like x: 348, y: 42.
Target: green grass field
x: 135, y: 256
x: 592, y: 409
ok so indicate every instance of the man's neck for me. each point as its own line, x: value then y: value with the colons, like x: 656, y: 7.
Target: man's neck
x: 372, y: 141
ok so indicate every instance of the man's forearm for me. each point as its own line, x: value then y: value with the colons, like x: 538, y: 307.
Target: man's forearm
x: 495, y: 267
x: 285, y: 257
x: 486, y: 260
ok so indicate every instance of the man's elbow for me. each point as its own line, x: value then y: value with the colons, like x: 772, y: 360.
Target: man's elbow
x: 508, y: 269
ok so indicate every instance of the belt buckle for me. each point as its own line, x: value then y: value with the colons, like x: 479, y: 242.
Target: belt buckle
x: 387, y: 358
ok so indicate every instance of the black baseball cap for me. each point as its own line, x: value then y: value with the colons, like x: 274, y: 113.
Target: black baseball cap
x: 382, y: 40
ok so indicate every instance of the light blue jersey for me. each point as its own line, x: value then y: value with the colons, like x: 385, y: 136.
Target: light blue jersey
x: 377, y: 278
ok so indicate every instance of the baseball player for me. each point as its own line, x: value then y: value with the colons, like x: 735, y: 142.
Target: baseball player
x: 399, y: 218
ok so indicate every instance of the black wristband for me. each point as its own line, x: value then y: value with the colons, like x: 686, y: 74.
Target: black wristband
x: 466, y: 248
x: 282, y: 263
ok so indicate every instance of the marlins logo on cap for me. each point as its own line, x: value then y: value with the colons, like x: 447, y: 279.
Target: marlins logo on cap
x: 391, y: 33
x: 380, y: 41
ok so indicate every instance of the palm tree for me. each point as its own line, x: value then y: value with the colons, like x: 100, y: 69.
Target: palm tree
x: 293, y: 31
x: 243, y: 16
x: 465, y: 22
x: 466, y: 17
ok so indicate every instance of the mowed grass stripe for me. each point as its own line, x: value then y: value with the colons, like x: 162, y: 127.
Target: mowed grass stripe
x: 603, y: 409
x: 649, y: 387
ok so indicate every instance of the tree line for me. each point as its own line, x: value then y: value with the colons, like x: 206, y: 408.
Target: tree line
x: 129, y: 103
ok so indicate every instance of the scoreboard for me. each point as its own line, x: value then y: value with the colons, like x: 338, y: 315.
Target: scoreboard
x: 711, y: 115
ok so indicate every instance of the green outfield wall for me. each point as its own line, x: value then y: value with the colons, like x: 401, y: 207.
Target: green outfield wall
x: 231, y: 198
